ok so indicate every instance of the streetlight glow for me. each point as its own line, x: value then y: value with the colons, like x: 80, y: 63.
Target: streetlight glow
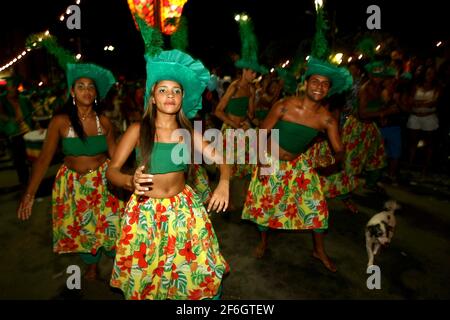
x: 318, y: 4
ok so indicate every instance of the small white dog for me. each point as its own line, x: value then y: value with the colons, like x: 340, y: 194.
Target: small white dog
x: 380, y: 229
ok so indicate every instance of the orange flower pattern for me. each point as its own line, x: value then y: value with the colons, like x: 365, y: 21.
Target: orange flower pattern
x: 170, y: 252
x: 289, y: 199
x: 364, y: 151
x: 85, y: 212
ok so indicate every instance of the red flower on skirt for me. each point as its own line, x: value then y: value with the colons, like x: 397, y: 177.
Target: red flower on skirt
x: 94, y: 198
x: 67, y: 244
x: 125, y: 263
x: 160, y: 269
x: 170, y: 247
x: 317, y: 224
x: 112, y: 203
x: 323, y: 208
x: 133, y: 215
x: 159, y: 217
x: 98, y: 180
x: 208, y: 227
x: 74, y: 230
x: 102, y: 224
x: 82, y: 206
x: 266, y: 202
x: 208, y: 285
x: 195, y: 294
x: 274, y: 223
x: 126, y: 237
x: 148, y: 288
x: 135, y: 296
x: 187, y: 252
x: 279, y: 195
x: 291, y: 211
x: 302, y: 182
x: 60, y: 208
x: 140, y: 255
x: 256, y: 212
x: 160, y: 208
x: 249, y: 199
x: 287, y: 177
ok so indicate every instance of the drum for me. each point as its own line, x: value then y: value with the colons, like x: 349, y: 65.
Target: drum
x: 42, y: 121
x: 33, y: 142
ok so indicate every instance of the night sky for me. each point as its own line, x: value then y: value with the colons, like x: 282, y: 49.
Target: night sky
x: 283, y: 28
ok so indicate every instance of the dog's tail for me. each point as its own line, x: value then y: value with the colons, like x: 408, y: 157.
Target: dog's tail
x: 391, y: 205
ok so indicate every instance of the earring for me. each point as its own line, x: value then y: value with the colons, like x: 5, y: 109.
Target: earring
x: 73, y: 101
x: 95, y: 101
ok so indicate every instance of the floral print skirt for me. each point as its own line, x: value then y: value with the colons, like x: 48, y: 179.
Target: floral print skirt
x: 168, y: 250
x: 199, y: 181
x: 86, y: 213
x: 364, y: 151
x: 291, y: 198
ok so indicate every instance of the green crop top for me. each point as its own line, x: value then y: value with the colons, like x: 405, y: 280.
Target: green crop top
x: 374, y: 105
x: 92, y: 146
x: 238, y: 106
x: 161, y: 160
x: 261, y: 114
x: 294, y: 137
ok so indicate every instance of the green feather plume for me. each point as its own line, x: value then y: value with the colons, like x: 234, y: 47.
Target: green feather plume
x: 153, y: 40
x: 179, y: 39
x: 249, y: 43
x: 40, y: 40
x: 320, y: 48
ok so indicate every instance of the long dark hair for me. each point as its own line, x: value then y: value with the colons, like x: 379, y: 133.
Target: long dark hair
x: 69, y: 109
x: 148, y: 131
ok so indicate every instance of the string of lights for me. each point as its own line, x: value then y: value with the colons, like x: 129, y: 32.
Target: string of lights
x: 24, y: 51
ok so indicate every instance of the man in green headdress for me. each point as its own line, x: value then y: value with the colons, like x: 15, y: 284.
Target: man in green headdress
x: 292, y: 198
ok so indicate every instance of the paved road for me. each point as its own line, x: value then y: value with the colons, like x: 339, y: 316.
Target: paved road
x: 415, y: 266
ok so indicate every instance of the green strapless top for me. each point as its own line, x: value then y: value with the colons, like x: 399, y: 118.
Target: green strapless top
x: 261, y: 114
x: 161, y: 159
x: 93, y: 145
x: 294, y: 137
x: 374, y: 105
x: 238, y: 106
